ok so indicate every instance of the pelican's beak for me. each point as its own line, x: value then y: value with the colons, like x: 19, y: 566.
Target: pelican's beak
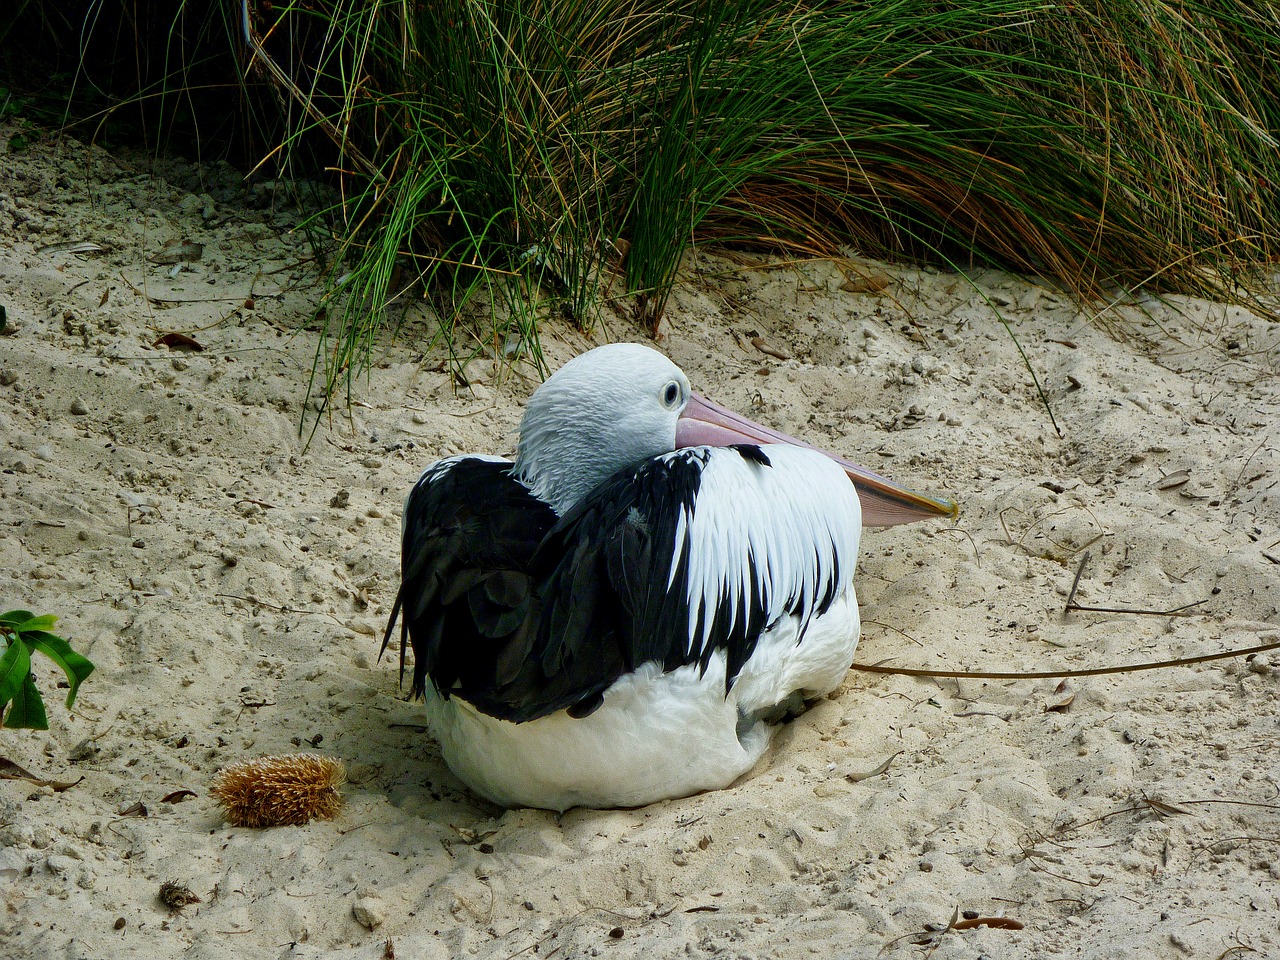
x: 884, y: 503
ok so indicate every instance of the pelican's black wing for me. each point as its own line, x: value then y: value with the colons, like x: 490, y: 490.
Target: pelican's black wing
x: 521, y: 615
x: 470, y: 531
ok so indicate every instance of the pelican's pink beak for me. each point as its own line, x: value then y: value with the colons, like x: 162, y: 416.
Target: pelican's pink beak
x: 884, y: 503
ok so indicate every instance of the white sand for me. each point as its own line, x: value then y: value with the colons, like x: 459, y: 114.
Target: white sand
x: 194, y: 548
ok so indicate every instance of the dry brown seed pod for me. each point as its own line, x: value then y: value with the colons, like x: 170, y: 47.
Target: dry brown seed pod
x: 173, y: 895
x: 288, y: 790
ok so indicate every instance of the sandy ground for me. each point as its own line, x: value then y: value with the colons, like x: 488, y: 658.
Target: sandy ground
x: 230, y: 583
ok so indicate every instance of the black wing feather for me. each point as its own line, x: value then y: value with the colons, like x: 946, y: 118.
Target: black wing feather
x: 470, y: 530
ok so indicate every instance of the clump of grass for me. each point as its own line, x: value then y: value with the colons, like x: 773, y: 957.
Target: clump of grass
x: 486, y: 147
x: 22, y: 634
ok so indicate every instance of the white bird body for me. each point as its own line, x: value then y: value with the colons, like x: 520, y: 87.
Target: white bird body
x: 617, y: 617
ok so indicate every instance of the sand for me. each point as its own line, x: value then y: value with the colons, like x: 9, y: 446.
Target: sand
x: 231, y: 582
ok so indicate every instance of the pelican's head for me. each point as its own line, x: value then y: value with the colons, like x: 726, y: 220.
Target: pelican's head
x: 604, y: 410
x: 622, y: 403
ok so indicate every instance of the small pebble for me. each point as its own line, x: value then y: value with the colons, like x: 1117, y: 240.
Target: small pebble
x: 78, y: 408
x: 369, y: 912
x: 8, y: 378
x: 59, y: 865
x: 84, y: 750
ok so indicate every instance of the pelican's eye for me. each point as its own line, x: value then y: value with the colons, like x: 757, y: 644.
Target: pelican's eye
x: 671, y: 394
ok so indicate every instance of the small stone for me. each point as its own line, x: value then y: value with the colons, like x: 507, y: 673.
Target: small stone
x: 373, y: 463
x: 369, y: 912
x: 870, y: 282
x: 78, y: 408
x: 8, y: 378
x: 1260, y: 665
x: 84, y: 750
x: 59, y: 864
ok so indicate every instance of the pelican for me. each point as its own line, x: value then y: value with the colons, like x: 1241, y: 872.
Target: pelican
x: 622, y: 614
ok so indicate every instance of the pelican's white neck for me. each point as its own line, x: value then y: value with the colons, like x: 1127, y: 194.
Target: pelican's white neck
x: 605, y: 410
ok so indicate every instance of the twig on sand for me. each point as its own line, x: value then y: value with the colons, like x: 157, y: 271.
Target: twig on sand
x: 1075, y: 585
x: 1053, y: 674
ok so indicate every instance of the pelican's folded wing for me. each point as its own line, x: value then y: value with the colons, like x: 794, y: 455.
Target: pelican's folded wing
x: 469, y: 532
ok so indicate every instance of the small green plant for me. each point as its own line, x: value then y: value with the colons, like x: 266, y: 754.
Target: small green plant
x: 22, y: 633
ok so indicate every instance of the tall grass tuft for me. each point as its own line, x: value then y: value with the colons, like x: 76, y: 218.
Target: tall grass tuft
x: 523, y: 146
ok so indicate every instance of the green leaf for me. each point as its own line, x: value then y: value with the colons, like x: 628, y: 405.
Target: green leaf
x: 36, y: 623
x: 27, y: 712
x: 75, y: 666
x: 14, y: 617
x: 15, y: 667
